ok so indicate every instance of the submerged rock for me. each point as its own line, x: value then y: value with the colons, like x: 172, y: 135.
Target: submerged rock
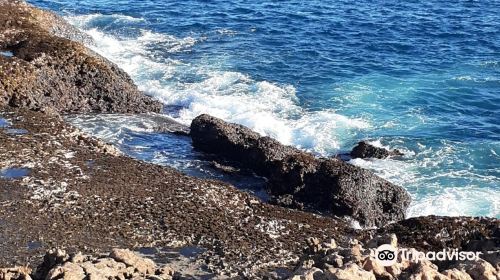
x: 366, y: 150
x: 46, y: 70
x: 165, y: 124
x: 329, y: 185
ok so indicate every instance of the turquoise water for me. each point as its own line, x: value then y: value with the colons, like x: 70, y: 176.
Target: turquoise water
x: 420, y: 76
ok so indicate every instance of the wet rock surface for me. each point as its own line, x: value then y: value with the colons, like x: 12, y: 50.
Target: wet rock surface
x: 60, y: 188
x: 298, y: 178
x: 166, y: 124
x: 117, y: 201
x: 366, y: 150
x: 46, y: 70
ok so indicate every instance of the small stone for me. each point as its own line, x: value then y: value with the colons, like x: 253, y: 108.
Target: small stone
x: 67, y: 271
x: 330, y: 244
x: 78, y: 258
x: 366, y: 150
x: 455, y: 274
x: 310, y: 274
x: 425, y: 270
x: 379, y: 240
x: 350, y: 272
x: 335, y: 260
x: 165, y: 272
x: 307, y: 264
x: 142, y: 265
x: 480, y: 270
x: 313, y: 244
x: 371, y: 264
x: 15, y: 273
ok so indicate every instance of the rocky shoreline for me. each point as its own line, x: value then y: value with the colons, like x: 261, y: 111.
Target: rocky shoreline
x: 60, y: 188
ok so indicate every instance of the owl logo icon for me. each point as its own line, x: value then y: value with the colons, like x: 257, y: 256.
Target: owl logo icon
x: 386, y: 255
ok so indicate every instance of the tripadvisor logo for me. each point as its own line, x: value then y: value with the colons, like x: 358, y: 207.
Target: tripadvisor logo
x: 388, y: 255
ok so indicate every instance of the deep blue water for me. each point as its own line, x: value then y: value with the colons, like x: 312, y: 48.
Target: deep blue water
x: 421, y: 76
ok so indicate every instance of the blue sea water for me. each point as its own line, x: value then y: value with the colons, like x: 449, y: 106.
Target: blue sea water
x: 420, y: 76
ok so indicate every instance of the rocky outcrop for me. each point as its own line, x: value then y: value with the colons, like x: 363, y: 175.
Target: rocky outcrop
x: 297, y: 177
x: 366, y: 150
x: 82, y: 196
x: 327, y: 260
x: 46, y: 70
x: 15, y: 273
x: 119, y: 264
x: 435, y: 233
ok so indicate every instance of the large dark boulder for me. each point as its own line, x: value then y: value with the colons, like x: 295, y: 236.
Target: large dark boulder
x: 44, y: 70
x: 366, y: 150
x: 328, y: 185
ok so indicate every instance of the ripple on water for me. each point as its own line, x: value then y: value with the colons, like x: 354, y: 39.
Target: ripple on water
x: 34, y: 245
x: 14, y: 173
x: 309, y: 79
x: 4, y: 123
x: 6, y: 53
x: 191, y: 251
x: 16, y: 131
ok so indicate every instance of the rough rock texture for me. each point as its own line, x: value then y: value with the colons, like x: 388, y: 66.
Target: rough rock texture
x: 81, y: 196
x: 50, y: 71
x: 166, y: 124
x: 435, y: 233
x: 366, y: 150
x: 326, y: 260
x: 15, y: 273
x: 119, y: 264
x: 324, y: 184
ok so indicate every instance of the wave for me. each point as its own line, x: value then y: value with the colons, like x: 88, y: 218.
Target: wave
x: 269, y: 108
x: 89, y: 19
x: 441, y: 178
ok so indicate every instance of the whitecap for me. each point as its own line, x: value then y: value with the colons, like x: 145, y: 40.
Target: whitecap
x: 84, y: 21
x: 269, y: 108
x: 458, y: 201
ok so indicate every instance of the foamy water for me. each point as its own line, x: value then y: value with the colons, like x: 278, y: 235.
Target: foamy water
x: 268, y: 108
x: 444, y: 176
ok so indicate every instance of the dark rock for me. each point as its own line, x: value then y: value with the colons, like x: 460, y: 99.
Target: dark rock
x: 50, y: 71
x: 328, y: 185
x: 433, y: 233
x: 350, y: 190
x: 105, y: 201
x: 286, y: 200
x: 165, y: 124
x: 224, y: 168
x: 367, y: 150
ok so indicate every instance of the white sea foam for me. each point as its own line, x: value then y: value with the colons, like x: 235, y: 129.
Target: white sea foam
x: 6, y: 53
x: 436, y: 187
x: 458, y: 201
x: 226, y: 31
x: 268, y: 108
x: 84, y: 20
x: 273, y: 109
x: 110, y: 127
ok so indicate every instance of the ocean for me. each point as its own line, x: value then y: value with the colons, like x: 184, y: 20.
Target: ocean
x: 419, y: 76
